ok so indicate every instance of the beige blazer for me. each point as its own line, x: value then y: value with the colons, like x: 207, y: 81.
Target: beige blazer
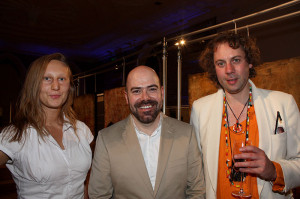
x: 284, y: 148
x: 119, y: 170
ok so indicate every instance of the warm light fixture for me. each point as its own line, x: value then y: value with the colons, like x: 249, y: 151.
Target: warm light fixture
x: 181, y: 42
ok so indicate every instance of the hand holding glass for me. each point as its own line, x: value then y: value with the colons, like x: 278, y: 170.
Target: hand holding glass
x: 237, y: 144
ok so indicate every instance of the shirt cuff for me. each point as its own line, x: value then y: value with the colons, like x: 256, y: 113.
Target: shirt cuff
x: 278, y: 184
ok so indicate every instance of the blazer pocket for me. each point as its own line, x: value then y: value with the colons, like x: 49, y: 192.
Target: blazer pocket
x: 279, y: 145
x: 177, y: 162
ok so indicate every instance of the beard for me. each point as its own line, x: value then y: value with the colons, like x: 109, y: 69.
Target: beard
x: 146, y: 117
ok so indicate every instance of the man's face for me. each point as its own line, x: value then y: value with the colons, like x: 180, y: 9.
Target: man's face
x: 232, y: 68
x: 144, y: 95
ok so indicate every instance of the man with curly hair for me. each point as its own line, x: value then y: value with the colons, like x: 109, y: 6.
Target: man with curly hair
x: 266, y: 121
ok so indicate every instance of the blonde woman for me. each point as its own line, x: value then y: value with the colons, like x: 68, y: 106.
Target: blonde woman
x: 46, y: 149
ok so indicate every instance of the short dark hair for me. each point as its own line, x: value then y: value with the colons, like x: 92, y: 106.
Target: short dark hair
x: 235, y: 40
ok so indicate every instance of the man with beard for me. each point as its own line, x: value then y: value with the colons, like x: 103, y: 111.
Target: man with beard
x: 147, y: 155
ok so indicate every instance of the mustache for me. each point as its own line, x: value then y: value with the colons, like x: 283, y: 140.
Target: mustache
x: 142, y: 103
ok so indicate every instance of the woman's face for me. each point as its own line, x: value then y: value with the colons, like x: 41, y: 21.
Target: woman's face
x: 55, y: 85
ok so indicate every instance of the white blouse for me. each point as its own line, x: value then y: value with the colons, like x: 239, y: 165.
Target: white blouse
x: 42, y: 169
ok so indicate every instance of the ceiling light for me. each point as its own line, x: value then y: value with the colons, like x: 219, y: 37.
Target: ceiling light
x: 181, y: 42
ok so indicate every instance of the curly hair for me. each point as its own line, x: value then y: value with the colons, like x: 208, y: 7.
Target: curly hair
x: 235, y: 41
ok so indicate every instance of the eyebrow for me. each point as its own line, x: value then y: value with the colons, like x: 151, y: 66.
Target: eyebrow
x: 237, y: 56
x: 152, y: 85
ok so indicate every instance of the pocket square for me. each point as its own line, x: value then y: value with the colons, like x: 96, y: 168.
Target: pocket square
x: 280, y: 130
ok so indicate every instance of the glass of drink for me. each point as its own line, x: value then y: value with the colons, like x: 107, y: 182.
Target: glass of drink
x: 237, y: 144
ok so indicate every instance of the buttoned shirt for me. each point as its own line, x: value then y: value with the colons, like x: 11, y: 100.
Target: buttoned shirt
x: 42, y: 169
x: 150, y: 149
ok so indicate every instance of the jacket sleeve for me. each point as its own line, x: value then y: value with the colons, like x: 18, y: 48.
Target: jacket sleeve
x: 100, y: 184
x: 291, y: 165
x: 195, y: 179
x: 195, y: 122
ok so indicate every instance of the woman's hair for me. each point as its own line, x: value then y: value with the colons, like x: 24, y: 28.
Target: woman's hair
x: 235, y: 40
x: 29, y: 111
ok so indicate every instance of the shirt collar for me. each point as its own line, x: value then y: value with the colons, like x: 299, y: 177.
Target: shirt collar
x: 66, y: 124
x: 155, y: 132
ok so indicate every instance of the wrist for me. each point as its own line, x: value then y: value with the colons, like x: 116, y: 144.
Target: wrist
x: 273, y: 179
x: 274, y: 174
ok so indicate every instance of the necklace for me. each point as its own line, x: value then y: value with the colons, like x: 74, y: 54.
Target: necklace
x: 229, y: 171
x: 237, y: 127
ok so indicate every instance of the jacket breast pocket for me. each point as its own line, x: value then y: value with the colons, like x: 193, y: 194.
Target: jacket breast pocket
x: 279, y: 145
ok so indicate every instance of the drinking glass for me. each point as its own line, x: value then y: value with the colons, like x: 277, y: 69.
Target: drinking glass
x: 237, y: 144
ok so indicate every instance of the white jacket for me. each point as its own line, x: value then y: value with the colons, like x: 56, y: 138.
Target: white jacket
x: 284, y: 148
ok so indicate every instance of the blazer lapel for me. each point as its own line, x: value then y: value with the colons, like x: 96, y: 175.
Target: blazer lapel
x: 213, y: 138
x: 263, y: 127
x: 135, y: 152
x: 166, y: 142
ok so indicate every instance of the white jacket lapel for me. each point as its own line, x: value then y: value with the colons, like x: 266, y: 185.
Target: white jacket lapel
x: 264, y: 127
x: 213, y: 139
